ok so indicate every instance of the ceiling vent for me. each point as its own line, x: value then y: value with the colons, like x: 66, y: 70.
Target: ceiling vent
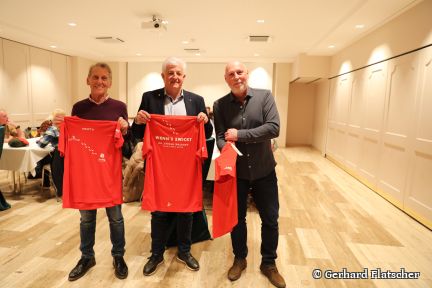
x: 109, y: 39
x: 192, y: 50
x: 259, y: 38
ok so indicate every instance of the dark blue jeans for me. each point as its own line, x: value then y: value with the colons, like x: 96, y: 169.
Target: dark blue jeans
x: 88, y: 230
x: 160, y: 223
x: 265, y: 194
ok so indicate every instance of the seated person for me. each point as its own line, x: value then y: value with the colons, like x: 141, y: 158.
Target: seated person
x: 51, y: 135
x: 4, y: 119
x: 14, y: 140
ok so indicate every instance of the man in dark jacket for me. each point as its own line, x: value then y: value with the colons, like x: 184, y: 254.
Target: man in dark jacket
x: 171, y: 100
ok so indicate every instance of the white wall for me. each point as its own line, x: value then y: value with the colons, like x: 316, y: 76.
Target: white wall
x: 320, y: 115
x: 33, y: 82
x: 205, y: 79
x: 281, y: 74
x: 301, y: 104
x: 379, y: 126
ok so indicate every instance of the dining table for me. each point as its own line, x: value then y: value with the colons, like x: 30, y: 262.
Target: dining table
x: 22, y: 159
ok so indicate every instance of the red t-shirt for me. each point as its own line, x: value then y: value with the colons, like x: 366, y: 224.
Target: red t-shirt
x: 92, y: 163
x: 225, y: 192
x: 174, y: 148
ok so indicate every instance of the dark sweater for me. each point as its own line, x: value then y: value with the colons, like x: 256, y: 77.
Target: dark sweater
x: 110, y: 110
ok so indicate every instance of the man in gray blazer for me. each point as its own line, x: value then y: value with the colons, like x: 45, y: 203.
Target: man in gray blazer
x: 171, y: 100
x: 249, y: 118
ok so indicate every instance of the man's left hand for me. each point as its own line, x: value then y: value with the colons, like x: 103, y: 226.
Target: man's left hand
x: 202, y: 117
x: 231, y: 135
x: 124, y: 125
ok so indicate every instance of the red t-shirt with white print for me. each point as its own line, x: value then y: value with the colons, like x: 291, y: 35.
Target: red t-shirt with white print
x: 174, y: 148
x: 92, y: 163
x: 225, y: 192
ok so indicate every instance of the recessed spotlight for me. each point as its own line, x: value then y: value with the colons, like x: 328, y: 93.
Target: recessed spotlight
x: 331, y: 46
x: 197, y: 54
x: 138, y: 54
x: 72, y: 24
x: 260, y: 21
x: 256, y: 54
x: 53, y: 46
x: 359, y: 26
x: 185, y: 42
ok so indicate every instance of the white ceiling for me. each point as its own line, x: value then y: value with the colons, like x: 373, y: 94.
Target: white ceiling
x: 218, y: 28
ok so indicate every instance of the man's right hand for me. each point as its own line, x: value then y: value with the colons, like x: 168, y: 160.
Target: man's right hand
x: 58, y: 119
x: 142, y: 117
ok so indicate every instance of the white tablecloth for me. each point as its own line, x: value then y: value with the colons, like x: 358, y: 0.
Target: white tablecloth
x: 22, y: 159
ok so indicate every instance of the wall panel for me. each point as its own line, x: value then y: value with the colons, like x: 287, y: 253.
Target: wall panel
x: 355, y: 116
x: 418, y: 198
x: 42, y: 85
x: 400, y: 101
x: 388, y: 139
x: 373, y: 99
x: 16, y: 82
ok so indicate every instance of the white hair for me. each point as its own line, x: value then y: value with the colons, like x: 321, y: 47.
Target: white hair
x: 173, y: 61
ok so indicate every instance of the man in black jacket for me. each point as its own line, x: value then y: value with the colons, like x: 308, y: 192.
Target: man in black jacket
x: 170, y: 100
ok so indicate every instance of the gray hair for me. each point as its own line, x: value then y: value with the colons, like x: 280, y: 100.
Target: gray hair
x: 101, y: 65
x: 173, y: 61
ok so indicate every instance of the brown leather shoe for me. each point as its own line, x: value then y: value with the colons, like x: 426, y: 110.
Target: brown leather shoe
x: 271, y: 272
x: 235, y: 271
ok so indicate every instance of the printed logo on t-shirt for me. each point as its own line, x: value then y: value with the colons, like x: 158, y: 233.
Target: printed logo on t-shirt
x: 102, y: 158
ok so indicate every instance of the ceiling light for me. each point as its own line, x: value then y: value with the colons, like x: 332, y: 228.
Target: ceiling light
x: 138, y: 54
x: 197, y: 54
x: 53, y: 46
x: 256, y: 54
x: 359, y: 26
x: 185, y: 42
x: 260, y: 21
x: 72, y: 24
x: 331, y: 46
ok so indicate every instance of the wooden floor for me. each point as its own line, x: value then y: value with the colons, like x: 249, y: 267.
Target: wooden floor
x: 328, y: 221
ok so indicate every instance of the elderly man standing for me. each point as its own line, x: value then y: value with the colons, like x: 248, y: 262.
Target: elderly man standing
x: 170, y: 100
x: 249, y: 118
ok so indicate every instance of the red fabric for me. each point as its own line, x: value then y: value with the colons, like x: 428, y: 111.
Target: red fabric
x: 174, y: 148
x: 23, y: 140
x: 225, y: 192
x: 92, y: 163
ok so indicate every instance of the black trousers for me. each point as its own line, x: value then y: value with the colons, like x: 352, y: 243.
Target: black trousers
x: 265, y: 195
x: 160, y: 223
x: 57, y: 169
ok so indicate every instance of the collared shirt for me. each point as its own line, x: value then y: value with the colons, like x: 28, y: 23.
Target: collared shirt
x: 174, y: 106
x: 257, y: 122
x: 98, y: 103
x: 51, y: 136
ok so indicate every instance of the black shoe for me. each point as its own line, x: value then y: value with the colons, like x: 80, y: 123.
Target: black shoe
x: 189, y: 260
x: 84, y: 264
x: 120, y: 267
x: 151, y: 265
x: 37, y: 175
